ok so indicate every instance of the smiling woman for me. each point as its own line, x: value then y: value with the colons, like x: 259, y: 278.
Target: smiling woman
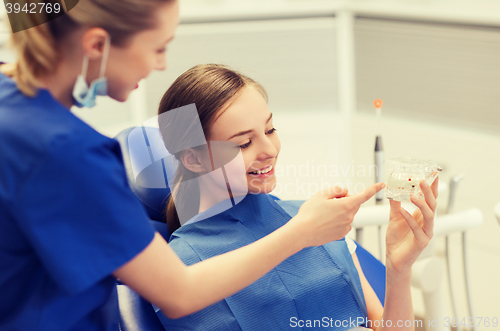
x: 220, y: 111
x: 255, y: 135
x: 138, y: 35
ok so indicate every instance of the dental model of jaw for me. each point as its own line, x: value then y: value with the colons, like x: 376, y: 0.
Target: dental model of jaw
x: 405, y: 175
x: 400, y: 186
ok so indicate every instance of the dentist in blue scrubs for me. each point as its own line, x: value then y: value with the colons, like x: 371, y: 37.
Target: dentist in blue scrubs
x: 69, y: 224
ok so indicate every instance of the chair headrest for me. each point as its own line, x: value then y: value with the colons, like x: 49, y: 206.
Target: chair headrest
x: 149, y: 166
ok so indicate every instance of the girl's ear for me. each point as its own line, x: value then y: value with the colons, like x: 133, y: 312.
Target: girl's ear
x: 191, y: 159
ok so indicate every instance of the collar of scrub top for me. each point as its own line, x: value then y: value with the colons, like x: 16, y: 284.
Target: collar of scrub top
x: 245, y: 209
x: 212, y: 211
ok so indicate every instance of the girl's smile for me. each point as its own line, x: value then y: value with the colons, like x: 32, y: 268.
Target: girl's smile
x: 247, y: 121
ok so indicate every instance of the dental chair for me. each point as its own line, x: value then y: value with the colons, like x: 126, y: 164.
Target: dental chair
x: 148, y: 166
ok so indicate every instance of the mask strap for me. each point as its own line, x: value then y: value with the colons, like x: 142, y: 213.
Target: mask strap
x: 105, y: 57
x: 85, y: 66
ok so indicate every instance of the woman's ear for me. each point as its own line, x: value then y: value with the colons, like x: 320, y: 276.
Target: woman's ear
x: 192, y: 160
x: 93, y: 41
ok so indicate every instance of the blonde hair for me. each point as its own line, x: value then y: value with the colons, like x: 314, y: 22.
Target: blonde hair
x: 210, y: 87
x: 37, y: 48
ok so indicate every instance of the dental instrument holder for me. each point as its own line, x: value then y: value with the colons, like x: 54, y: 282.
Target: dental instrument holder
x: 404, y: 175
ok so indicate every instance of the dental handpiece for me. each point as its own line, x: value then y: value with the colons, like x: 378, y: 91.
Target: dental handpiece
x: 379, y: 168
x: 379, y: 153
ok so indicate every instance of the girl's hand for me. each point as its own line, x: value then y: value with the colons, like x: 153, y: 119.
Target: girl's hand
x: 408, y: 235
x: 327, y: 216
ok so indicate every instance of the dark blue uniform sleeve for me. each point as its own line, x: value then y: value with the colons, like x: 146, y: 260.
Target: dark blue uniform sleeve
x: 79, y: 214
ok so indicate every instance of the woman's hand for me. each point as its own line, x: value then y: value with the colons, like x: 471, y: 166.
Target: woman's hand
x: 408, y: 235
x: 327, y: 216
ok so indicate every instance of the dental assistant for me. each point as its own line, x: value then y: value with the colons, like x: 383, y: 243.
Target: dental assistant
x: 69, y: 224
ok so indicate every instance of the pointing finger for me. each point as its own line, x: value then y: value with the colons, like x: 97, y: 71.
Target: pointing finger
x: 364, y: 196
x: 334, y: 192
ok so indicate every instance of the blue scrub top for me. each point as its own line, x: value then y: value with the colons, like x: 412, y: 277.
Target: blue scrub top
x: 68, y: 219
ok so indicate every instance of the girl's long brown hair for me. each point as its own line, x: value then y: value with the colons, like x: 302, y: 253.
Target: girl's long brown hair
x: 210, y: 87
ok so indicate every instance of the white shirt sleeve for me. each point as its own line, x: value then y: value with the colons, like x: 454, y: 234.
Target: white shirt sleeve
x: 351, y: 245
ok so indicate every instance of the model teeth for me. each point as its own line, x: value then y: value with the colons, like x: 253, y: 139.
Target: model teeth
x: 265, y: 171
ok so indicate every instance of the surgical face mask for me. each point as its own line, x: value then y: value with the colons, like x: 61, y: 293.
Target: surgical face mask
x: 84, y: 95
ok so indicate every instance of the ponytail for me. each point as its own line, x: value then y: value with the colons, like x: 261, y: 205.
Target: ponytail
x: 186, y: 193
x: 36, y: 57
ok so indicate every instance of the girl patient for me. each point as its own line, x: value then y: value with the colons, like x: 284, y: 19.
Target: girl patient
x: 317, y: 288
